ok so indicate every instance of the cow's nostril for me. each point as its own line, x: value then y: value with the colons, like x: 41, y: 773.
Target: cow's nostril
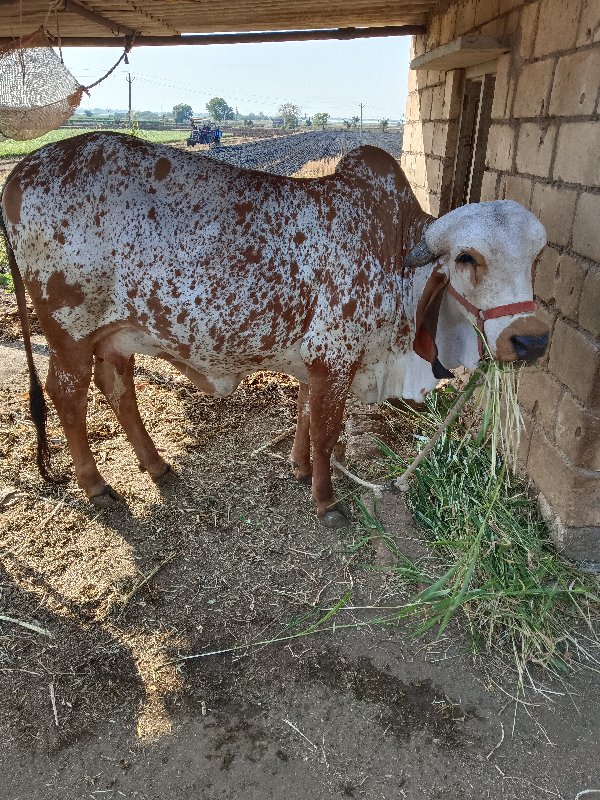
x: 529, y: 348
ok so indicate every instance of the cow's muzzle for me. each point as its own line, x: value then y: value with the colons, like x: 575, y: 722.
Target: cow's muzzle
x: 530, y: 348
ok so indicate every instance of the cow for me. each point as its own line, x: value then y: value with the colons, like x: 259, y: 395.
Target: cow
x: 342, y: 281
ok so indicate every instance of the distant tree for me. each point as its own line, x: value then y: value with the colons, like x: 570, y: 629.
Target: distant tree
x: 383, y: 123
x: 249, y: 122
x: 348, y: 123
x: 219, y: 109
x: 321, y: 120
x: 354, y: 121
x: 308, y: 122
x: 88, y: 113
x: 182, y: 113
x: 290, y: 113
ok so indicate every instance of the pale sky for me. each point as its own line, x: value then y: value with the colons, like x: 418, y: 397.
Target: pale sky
x: 329, y: 76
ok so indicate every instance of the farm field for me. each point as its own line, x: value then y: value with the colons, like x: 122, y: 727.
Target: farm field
x: 94, y: 699
x: 9, y: 148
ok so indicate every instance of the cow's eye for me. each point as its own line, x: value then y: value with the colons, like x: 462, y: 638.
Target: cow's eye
x: 465, y: 258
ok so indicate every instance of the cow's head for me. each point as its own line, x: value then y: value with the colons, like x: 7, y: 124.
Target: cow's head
x: 483, y: 256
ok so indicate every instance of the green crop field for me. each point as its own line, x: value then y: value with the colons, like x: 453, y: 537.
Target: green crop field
x: 9, y: 148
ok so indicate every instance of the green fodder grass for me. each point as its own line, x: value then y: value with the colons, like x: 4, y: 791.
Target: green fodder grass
x: 9, y: 148
x: 496, y: 563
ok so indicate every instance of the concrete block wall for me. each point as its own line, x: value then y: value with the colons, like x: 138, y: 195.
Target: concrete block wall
x: 544, y: 151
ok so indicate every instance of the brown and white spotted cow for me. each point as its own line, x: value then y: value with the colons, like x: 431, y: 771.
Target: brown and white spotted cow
x: 128, y: 247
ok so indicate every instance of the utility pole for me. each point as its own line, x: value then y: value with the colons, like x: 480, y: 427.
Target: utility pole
x: 130, y: 80
x: 362, y: 105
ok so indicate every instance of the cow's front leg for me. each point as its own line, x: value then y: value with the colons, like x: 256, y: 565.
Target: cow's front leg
x: 328, y: 392
x: 67, y: 385
x: 300, y: 455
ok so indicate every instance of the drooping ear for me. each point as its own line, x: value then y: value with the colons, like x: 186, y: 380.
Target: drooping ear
x: 426, y: 322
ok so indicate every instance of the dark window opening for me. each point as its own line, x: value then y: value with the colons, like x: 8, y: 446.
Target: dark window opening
x: 475, y: 121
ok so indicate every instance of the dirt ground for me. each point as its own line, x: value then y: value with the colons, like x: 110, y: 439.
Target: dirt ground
x: 102, y: 708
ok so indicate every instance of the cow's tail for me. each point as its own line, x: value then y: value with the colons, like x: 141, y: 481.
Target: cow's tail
x: 37, y: 401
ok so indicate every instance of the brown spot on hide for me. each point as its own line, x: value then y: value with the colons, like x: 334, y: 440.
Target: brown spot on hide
x: 377, y: 300
x: 152, y: 213
x: 182, y: 316
x: 13, y: 197
x: 162, y: 169
x: 65, y: 223
x: 242, y: 210
x: 251, y: 255
x: 299, y: 238
x: 61, y: 294
x: 348, y: 309
x: 59, y: 237
x: 96, y: 161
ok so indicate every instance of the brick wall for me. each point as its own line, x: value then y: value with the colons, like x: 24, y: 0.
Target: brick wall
x: 544, y: 151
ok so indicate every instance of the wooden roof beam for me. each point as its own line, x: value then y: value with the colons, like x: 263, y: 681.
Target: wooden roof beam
x: 71, y: 7
x: 238, y: 38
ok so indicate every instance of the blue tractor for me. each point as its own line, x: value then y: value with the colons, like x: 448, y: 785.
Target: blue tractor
x: 204, y: 132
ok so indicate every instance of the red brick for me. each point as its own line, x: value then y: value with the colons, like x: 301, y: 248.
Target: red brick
x: 545, y: 275
x: 555, y: 208
x: 557, y: 26
x: 576, y: 83
x: 589, y: 302
x: 575, y: 360
x: 576, y: 159
x: 528, y: 29
x: 533, y: 88
x: 589, y: 23
x: 586, y: 238
x: 569, y: 280
x: 540, y: 394
x: 534, y: 148
x: 515, y: 187
x: 574, y: 494
x: 500, y: 147
x: 578, y: 434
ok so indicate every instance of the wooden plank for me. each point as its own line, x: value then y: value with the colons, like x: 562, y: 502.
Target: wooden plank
x: 464, y: 51
x: 153, y: 17
x: 241, y: 38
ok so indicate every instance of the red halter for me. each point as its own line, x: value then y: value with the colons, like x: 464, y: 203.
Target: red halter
x: 525, y: 307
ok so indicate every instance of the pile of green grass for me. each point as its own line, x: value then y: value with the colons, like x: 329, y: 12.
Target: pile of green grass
x: 496, y: 561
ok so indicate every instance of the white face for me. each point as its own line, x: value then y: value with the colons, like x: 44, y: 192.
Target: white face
x: 487, y: 250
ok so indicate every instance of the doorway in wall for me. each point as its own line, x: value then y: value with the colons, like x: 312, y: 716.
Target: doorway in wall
x: 474, y: 127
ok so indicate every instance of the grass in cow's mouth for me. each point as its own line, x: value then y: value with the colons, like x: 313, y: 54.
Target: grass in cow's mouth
x: 496, y: 562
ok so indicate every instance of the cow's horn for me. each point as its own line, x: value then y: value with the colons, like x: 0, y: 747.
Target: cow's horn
x: 419, y: 256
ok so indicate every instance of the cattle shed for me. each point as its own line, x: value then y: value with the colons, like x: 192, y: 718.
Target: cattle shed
x: 503, y: 103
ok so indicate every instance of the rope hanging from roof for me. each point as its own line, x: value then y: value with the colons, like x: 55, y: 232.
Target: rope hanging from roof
x: 37, y: 91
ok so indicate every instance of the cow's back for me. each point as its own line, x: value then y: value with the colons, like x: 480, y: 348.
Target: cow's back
x: 235, y: 263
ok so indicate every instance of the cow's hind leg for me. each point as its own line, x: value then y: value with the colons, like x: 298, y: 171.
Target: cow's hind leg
x: 67, y: 385
x: 300, y: 455
x: 114, y: 377
x: 328, y: 392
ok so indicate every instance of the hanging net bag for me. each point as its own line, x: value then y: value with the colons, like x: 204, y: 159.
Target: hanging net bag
x: 37, y: 91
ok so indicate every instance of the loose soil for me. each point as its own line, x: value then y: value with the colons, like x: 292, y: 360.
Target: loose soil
x: 230, y: 554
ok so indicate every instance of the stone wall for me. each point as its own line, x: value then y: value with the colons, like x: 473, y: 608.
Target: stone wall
x: 544, y: 151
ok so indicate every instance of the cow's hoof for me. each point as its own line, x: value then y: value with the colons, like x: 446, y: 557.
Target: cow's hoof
x: 306, y: 479
x: 336, y: 517
x: 168, y: 477
x: 107, y: 498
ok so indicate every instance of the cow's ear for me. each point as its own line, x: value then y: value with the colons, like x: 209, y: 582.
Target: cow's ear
x: 426, y: 322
